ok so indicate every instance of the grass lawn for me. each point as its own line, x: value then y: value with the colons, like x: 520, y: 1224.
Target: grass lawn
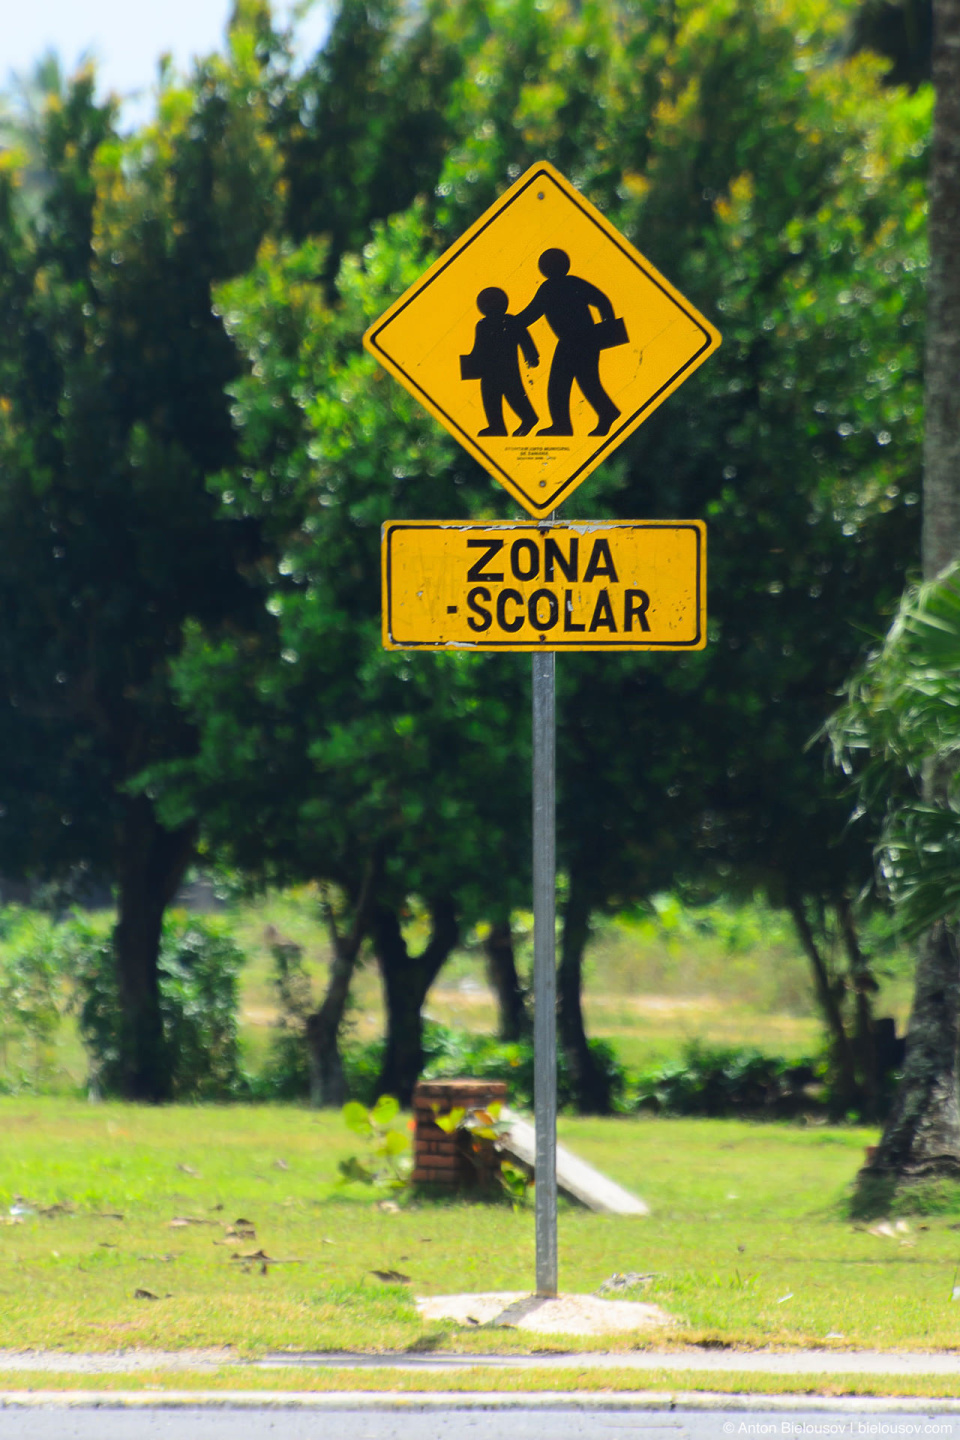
x: 747, y: 1243
x: 484, y: 1379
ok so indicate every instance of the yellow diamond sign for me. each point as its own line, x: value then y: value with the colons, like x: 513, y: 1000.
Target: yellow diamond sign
x: 541, y: 339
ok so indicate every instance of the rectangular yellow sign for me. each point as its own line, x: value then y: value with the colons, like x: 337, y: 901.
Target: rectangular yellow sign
x: 579, y: 585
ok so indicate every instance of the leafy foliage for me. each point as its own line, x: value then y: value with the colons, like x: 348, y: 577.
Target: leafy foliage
x: 35, y: 965
x: 387, y: 1161
x: 451, y: 1052
x: 482, y: 1132
x: 199, y: 966
x: 113, y: 413
x: 726, y: 1080
x: 899, y: 724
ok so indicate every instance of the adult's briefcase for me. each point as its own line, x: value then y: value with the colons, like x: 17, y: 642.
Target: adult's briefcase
x: 609, y: 333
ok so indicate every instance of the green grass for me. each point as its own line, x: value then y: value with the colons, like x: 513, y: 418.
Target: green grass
x: 743, y: 1216
x: 667, y: 1383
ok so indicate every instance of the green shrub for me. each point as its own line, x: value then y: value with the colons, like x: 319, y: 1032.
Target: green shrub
x: 388, y: 1145
x: 286, y: 1073
x: 450, y: 1052
x: 362, y: 1064
x: 199, y: 966
x: 35, y: 963
x: 727, y: 1080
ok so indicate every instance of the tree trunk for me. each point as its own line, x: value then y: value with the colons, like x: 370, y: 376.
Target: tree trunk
x: 591, y: 1088
x: 864, y: 1040
x: 846, y: 1075
x: 922, y: 1135
x: 941, y: 440
x: 514, y: 1021
x: 406, y: 980
x: 328, y: 1083
x: 152, y: 862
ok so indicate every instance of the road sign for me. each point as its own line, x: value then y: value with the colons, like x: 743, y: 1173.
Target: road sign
x: 541, y: 339
x: 586, y: 585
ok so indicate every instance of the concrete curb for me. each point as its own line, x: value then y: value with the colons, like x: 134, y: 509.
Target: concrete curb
x: 431, y: 1401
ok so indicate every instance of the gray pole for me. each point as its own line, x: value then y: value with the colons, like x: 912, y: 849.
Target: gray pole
x: 544, y: 967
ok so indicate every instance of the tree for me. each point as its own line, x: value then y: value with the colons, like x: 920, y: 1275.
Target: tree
x: 321, y: 756
x: 785, y: 191
x: 755, y: 173
x: 771, y: 217
x: 899, y: 30
x: 113, y: 372
x: 367, y: 124
x: 922, y: 1135
x: 23, y: 114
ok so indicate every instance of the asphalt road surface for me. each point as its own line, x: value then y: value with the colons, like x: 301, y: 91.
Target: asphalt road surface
x: 57, y: 1423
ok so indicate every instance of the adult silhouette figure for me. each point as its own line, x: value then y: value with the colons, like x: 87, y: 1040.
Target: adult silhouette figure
x: 564, y: 300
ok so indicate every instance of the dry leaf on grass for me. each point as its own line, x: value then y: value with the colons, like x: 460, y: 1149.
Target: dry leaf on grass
x: 249, y: 1255
x: 141, y: 1294
x: 189, y: 1170
x: 281, y: 1165
x: 392, y: 1277
x: 240, y: 1232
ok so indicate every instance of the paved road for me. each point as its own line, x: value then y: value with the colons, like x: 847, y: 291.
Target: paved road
x: 55, y: 1423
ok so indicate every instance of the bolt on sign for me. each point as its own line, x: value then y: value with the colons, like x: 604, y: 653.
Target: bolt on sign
x: 541, y: 339
x: 584, y: 585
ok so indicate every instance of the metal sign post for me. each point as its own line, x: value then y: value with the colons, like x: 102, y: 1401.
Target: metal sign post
x: 544, y: 966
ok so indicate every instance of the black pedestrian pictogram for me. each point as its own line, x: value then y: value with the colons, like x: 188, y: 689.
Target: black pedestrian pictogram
x: 494, y: 362
x: 565, y: 302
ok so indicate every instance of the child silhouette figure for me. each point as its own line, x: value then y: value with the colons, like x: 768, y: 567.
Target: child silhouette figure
x: 495, y: 363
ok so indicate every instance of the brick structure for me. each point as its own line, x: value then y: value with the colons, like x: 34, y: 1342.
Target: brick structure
x: 439, y: 1158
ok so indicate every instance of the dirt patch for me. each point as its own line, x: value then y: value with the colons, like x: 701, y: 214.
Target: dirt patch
x: 564, y: 1315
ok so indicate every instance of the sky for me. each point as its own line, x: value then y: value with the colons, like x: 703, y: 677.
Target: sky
x: 127, y: 37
